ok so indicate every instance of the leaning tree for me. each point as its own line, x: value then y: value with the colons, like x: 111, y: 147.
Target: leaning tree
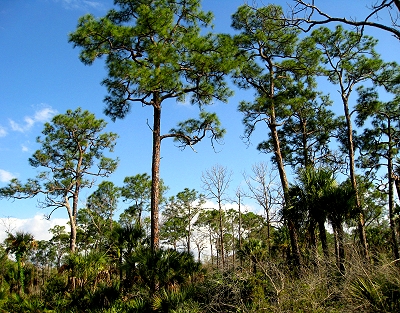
x: 72, y: 156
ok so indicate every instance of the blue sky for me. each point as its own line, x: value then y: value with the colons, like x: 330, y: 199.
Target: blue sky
x: 41, y: 75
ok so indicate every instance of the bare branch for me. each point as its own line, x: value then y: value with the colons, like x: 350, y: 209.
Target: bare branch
x: 314, y: 16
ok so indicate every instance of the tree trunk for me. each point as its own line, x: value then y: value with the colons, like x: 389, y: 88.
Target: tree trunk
x: 189, y: 231
x: 72, y: 239
x: 395, y: 242
x: 322, y: 238
x: 221, y: 235
x: 338, y: 235
x: 294, y: 243
x: 336, y: 242
x: 72, y: 222
x: 341, y: 252
x: 313, y: 242
x: 73, y: 214
x: 304, y: 141
x: 268, y: 232
x: 281, y: 168
x: 155, y: 175
x: 361, y: 222
x: 211, y: 250
x: 20, y: 274
x: 285, y: 186
x: 240, y: 231
x: 233, y: 245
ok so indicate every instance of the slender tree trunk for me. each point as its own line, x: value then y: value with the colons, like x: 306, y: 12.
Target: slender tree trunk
x: 281, y: 168
x: 322, y: 238
x: 217, y: 248
x: 155, y: 185
x: 72, y: 241
x: 189, y: 231
x: 396, y: 180
x: 221, y: 235
x: 338, y: 234
x: 395, y: 242
x: 313, y: 242
x: 155, y: 175
x: 294, y: 242
x: 304, y: 141
x: 285, y: 186
x: 233, y: 245
x: 240, y: 231
x: 361, y: 222
x: 211, y: 250
x: 121, y: 273
x: 342, y: 257
x: 72, y: 221
x: 20, y: 274
x: 336, y: 242
x: 268, y: 231
x: 72, y: 246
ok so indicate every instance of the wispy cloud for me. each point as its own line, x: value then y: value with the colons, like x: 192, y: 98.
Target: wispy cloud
x: 40, y: 116
x: 5, y: 176
x: 44, y: 115
x: 3, y: 132
x: 81, y: 4
x: 24, y: 148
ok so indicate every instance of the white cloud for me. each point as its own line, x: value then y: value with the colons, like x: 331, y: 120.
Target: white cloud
x: 15, y: 126
x: 226, y: 206
x: 3, y: 132
x: 44, y: 115
x: 5, y: 176
x: 81, y: 4
x: 24, y: 148
x: 38, y: 226
x: 40, y: 116
x: 93, y: 4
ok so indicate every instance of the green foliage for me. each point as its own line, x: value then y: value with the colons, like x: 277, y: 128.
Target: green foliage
x: 165, y: 301
x: 20, y: 244
x: 171, y: 57
x: 96, y: 220
x: 85, y: 268
x: 54, y: 292
x: 274, y: 58
x: 167, y: 267
x: 73, y: 145
x: 379, y: 292
x: 192, y: 131
x: 179, y: 216
x: 137, y: 192
x: 156, y: 50
x: 18, y: 304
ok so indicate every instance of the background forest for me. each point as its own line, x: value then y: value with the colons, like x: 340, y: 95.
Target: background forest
x: 325, y: 234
